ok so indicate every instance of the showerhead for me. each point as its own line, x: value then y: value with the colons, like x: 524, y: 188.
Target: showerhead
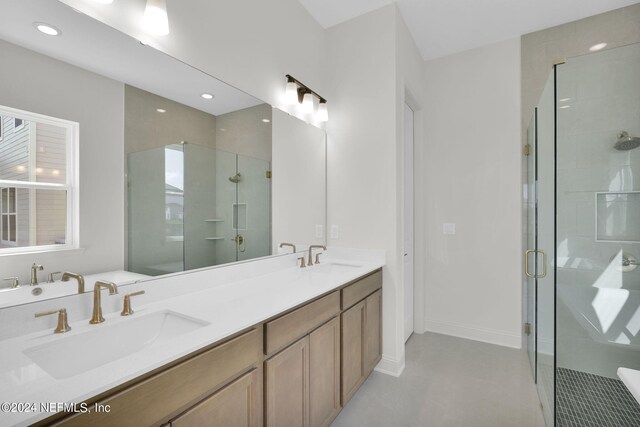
x: 626, y: 142
x: 236, y: 178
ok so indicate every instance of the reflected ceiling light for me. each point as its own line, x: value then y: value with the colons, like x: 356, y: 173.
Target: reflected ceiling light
x: 207, y: 96
x: 161, y: 110
x: 266, y: 121
x: 565, y: 99
x: 298, y: 91
x: 597, y: 47
x: 47, y: 29
x: 323, y: 112
x: 21, y: 168
x: 565, y: 106
x: 155, y: 20
x: 55, y: 172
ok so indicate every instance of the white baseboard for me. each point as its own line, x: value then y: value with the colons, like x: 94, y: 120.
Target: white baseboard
x: 491, y: 336
x: 390, y: 366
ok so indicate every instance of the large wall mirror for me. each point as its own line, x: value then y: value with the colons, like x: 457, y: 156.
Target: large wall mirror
x: 122, y: 163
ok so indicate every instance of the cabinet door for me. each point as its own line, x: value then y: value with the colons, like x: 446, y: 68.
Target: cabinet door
x: 372, y: 332
x: 324, y: 373
x: 287, y: 386
x: 352, y: 345
x: 236, y: 405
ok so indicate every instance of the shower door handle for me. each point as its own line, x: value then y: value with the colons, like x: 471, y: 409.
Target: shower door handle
x: 239, y: 239
x: 544, y: 264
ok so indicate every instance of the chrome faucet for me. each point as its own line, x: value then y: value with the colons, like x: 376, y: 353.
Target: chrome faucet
x: 311, y: 248
x: 68, y: 275
x: 290, y: 245
x: 34, y: 273
x: 97, y: 308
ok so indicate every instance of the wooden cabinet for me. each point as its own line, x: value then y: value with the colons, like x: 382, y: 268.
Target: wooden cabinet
x: 287, y: 386
x: 352, y: 372
x: 237, y: 405
x: 324, y: 374
x: 303, y: 381
x: 361, y: 343
x: 372, y: 334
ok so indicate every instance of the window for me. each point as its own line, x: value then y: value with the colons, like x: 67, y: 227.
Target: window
x: 38, y: 183
x: 8, y: 216
x: 18, y: 123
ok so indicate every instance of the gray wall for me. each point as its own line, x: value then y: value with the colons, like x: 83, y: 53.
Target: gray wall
x: 27, y: 83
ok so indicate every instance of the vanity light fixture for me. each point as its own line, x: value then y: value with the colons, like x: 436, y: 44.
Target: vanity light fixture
x: 296, y: 91
x: 155, y: 19
x: 207, y: 96
x: 47, y: 29
x: 597, y: 47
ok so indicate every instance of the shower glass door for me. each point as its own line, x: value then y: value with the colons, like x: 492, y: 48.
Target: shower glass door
x: 531, y: 205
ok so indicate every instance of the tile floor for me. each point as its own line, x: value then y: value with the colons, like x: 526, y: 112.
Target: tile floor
x: 449, y: 381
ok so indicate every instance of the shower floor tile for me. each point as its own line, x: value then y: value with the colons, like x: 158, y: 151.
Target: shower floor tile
x: 586, y: 400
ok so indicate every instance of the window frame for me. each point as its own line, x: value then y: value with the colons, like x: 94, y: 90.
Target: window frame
x: 71, y: 185
x: 1, y: 127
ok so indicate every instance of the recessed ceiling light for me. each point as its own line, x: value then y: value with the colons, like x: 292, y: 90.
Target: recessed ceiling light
x: 161, y: 110
x: 207, y: 96
x: 597, y: 47
x: 566, y: 106
x: 565, y: 99
x: 266, y: 121
x: 47, y: 29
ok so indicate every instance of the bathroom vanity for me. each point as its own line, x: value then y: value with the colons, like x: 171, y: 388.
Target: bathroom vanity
x: 284, y: 347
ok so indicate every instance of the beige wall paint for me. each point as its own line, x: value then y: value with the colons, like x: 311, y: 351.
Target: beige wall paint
x: 145, y: 128
x: 244, y: 132
x: 471, y: 178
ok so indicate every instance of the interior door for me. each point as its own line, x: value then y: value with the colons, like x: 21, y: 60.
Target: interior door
x: 408, y: 223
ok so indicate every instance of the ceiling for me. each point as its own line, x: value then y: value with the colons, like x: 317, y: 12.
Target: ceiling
x: 444, y: 27
x: 89, y: 44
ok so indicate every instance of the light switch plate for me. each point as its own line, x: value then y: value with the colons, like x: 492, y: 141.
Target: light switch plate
x: 319, y: 231
x: 449, y: 228
x: 335, y: 232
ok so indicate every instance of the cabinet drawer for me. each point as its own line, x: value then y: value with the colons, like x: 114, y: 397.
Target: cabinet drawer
x: 166, y: 394
x: 288, y: 328
x: 359, y: 290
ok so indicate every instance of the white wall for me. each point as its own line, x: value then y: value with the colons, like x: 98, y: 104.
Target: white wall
x: 472, y: 178
x: 97, y: 103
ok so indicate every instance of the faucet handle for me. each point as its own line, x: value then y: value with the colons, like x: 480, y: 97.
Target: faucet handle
x: 127, y: 310
x: 50, y: 278
x: 15, y: 282
x: 63, y: 325
x: 302, y: 263
x: 318, y: 257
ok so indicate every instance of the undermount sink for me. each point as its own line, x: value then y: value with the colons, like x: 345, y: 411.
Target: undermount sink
x: 69, y: 356
x: 333, y: 268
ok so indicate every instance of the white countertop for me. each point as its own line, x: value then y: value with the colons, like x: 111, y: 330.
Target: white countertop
x: 228, y: 308
x: 631, y: 379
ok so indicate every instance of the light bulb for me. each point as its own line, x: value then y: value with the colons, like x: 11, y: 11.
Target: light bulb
x: 323, y: 112
x: 155, y: 20
x: 291, y: 93
x: 307, y: 103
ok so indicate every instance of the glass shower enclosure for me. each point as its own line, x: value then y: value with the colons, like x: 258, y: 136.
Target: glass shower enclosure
x: 583, y: 237
x: 191, y: 206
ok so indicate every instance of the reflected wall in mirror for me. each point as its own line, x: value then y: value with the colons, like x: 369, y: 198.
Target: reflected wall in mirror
x: 156, y: 178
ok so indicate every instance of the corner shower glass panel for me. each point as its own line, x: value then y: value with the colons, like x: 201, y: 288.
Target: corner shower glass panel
x: 191, y: 206
x: 598, y: 236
